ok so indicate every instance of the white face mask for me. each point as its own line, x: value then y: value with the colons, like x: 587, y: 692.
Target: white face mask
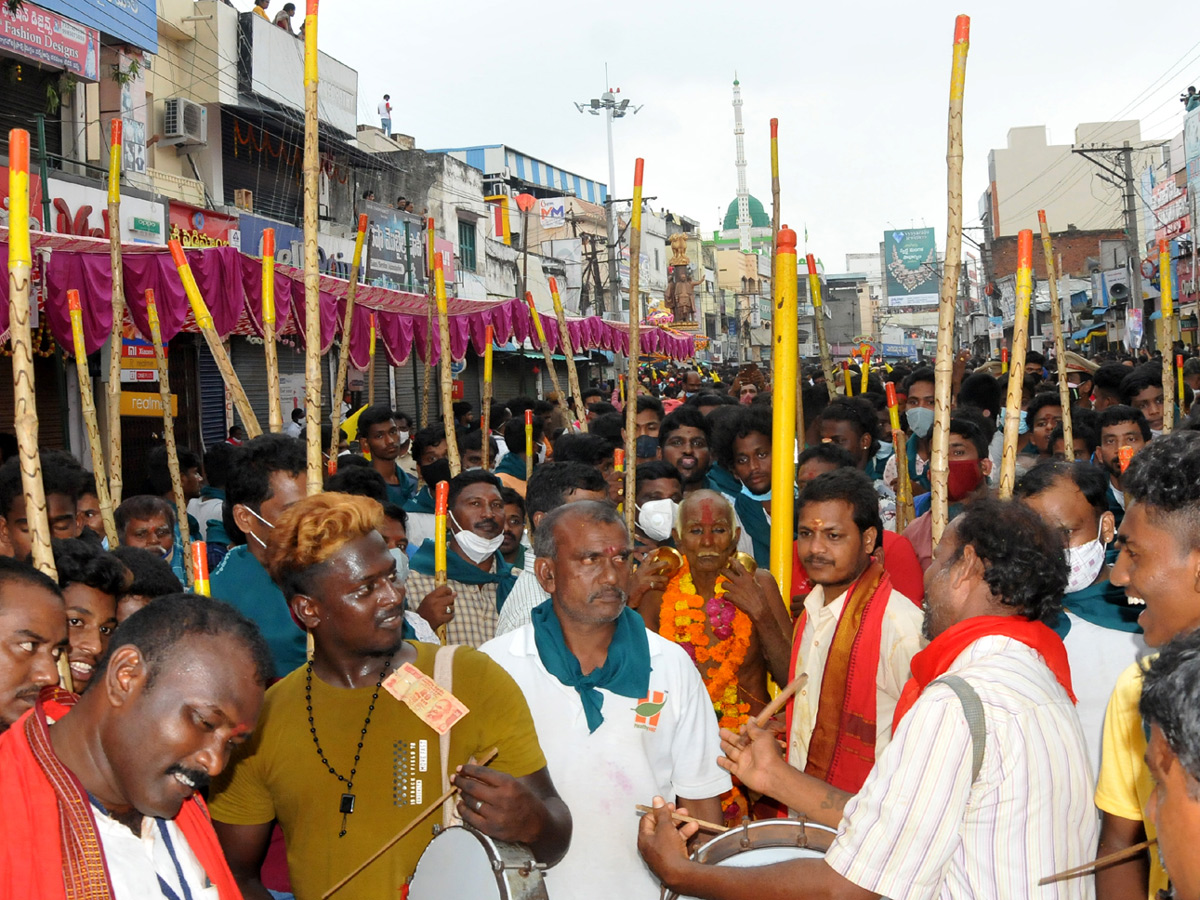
x: 476, y: 548
x: 1084, y: 564
x: 656, y: 518
x: 541, y: 453
x: 261, y: 519
x: 402, y: 437
x: 401, y: 559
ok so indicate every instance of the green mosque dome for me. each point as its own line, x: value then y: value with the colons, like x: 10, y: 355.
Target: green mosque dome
x: 758, y: 216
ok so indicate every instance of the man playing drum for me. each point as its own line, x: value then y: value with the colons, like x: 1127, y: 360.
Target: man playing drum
x: 343, y: 765
x: 621, y: 713
x: 986, y: 784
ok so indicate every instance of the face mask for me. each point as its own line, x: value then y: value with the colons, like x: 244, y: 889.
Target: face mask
x: 920, y: 421
x: 541, y: 454
x: 965, y: 476
x: 402, y: 437
x: 401, y: 559
x: 435, y: 472
x: 474, y: 547
x: 251, y: 533
x: 656, y: 518
x: 746, y: 492
x: 1022, y: 429
x: 884, y: 451
x: 1084, y: 564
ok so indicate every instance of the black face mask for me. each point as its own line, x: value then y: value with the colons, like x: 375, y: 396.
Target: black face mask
x: 435, y: 472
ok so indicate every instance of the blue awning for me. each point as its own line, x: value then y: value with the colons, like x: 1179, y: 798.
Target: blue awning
x: 1082, y: 333
x: 1157, y: 314
x: 1079, y: 335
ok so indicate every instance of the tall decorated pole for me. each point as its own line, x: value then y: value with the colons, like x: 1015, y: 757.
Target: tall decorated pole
x: 814, y: 293
x: 274, y: 401
x: 1167, y: 344
x: 939, y: 457
x: 1012, y: 406
x: 635, y: 345
x: 90, y: 423
x: 1060, y: 348
x: 783, y: 410
x: 25, y: 420
x: 528, y: 445
x: 429, y: 304
x: 117, y: 335
x: 568, y: 349
x: 485, y: 414
x: 339, y: 387
x: 541, y: 336
x: 371, y: 364
x: 441, y: 508
x: 204, y: 320
x: 447, y: 377
x: 312, y: 262
x: 164, y: 393
x: 775, y: 211
x: 904, y: 496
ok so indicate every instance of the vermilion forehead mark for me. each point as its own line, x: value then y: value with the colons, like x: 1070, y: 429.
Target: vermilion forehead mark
x: 707, y: 512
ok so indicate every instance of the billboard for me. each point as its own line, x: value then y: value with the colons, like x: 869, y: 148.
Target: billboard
x: 50, y: 38
x: 1191, y: 147
x: 397, y: 257
x: 130, y: 21
x: 910, y: 265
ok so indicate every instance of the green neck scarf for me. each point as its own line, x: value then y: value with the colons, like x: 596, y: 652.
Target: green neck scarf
x: 626, y: 670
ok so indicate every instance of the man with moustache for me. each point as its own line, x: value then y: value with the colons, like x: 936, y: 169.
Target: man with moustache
x: 608, y: 695
x: 685, y: 437
x: 101, y: 793
x: 1120, y: 426
x: 33, y: 635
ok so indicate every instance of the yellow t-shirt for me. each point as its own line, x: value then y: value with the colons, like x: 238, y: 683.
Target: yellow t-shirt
x: 277, y: 774
x: 262, y: 12
x: 1125, y: 785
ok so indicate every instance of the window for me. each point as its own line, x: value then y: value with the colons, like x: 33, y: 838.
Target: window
x: 466, y: 245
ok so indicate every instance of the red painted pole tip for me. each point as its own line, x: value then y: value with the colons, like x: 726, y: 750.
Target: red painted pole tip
x: 962, y: 29
x: 1162, y: 246
x: 73, y: 300
x: 177, y: 253
x: 638, y: 165
x: 18, y: 150
x: 1004, y: 354
x: 1179, y: 360
x: 812, y: 264
x: 553, y: 285
x: 441, y: 498
x: 362, y: 222
x: 268, y: 242
x: 786, y: 240
x: 1041, y: 217
x: 312, y: 7
x: 437, y: 262
x: 774, y: 128
x: 846, y: 364
x: 1025, y: 249
x: 491, y: 334
x: 529, y: 417
x: 118, y: 129
x: 890, y: 388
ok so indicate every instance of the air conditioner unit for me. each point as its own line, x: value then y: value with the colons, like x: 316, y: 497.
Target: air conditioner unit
x: 185, y: 123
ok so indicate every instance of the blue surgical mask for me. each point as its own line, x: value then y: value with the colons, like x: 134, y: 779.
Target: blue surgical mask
x: 920, y: 421
x: 1022, y: 429
x: 762, y: 498
x: 884, y: 451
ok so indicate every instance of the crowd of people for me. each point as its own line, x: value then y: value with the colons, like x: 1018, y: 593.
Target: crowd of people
x: 969, y: 717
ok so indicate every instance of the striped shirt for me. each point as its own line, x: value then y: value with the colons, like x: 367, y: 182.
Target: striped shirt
x: 526, y: 594
x: 474, y: 622
x: 919, y: 829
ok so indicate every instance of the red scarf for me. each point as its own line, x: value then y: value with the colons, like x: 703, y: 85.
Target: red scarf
x: 932, y: 662
x: 49, y: 848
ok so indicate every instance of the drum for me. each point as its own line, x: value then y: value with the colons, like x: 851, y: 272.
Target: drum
x: 462, y: 863
x: 764, y: 842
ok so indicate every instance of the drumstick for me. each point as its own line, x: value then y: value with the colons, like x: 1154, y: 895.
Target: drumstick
x: 704, y: 826
x: 1099, y: 863
x: 421, y: 817
x: 780, y: 700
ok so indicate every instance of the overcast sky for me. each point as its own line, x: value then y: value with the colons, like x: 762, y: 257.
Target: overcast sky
x: 860, y: 90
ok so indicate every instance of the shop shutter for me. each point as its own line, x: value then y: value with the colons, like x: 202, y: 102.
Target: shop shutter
x: 212, y: 399
x: 26, y: 97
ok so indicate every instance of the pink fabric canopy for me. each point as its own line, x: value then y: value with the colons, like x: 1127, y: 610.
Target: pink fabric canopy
x: 231, y: 284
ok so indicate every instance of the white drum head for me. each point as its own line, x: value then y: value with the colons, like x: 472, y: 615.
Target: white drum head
x: 456, y: 865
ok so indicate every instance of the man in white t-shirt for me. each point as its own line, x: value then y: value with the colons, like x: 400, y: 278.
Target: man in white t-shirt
x: 385, y: 114
x: 621, y: 713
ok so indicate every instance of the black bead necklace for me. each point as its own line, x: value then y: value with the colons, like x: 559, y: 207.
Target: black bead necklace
x: 346, y: 806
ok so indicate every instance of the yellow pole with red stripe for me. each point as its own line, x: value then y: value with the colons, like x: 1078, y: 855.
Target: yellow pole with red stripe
x: 274, y: 402
x: 1166, y: 289
x: 441, y: 508
x: 635, y: 345
x: 200, y: 584
x: 1012, y: 406
x: 117, y: 332
x: 447, y: 377
x: 783, y: 411
x: 90, y: 423
x: 485, y: 414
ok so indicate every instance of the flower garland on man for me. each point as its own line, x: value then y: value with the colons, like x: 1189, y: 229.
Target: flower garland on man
x: 731, y: 621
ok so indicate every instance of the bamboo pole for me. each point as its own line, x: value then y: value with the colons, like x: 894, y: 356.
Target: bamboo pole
x: 783, y: 409
x: 774, y: 221
x: 441, y: 506
x: 447, y: 379
x: 814, y: 292
x: 1060, y: 348
x: 635, y: 346
x: 164, y: 392
x: 1012, y: 406
x: 116, y: 336
x: 274, y: 402
x: 939, y: 456
x: 312, y: 271
x: 528, y: 445
x: 904, y: 497
x: 371, y: 365
x: 541, y: 337
x: 564, y: 339
x: 429, y: 306
x: 485, y: 414
x: 91, y: 425
x: 1179, y: 383
x: 25, y: 420
x: 204, y: 320
x: 1167, y: 344
x: 339, y: 387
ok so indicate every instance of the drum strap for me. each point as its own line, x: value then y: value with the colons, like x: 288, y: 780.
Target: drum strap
x: 973, y: 710
x: 443, y: 674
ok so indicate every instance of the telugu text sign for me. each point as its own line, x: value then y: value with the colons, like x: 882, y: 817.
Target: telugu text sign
x: 911, y: 267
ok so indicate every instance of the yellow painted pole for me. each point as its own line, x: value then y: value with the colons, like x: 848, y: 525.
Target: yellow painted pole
x: 274, y: 402
x: 339, y: 387
x: 939, y: 455
x: 371, y: 364
x: 485, y: 414
x: 1166, y: 289
x: 429, y: 306
x: 1060, y: 347
x: 447, y: 378
x: 117, y: 334
x: 91, y: 425
x: 200, y: 584
x: 441, y: 504
x: 783, y: 410
x: 1012, y: 406
x: 528, y: 445
x: 635, y: 346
